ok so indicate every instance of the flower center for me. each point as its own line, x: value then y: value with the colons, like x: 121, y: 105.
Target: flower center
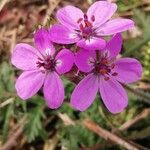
x: 104, y: 66
x: 86, y: 27
x: 46, y: 64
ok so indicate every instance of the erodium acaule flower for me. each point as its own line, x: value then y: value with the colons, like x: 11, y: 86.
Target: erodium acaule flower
x: 42, y: 66
x: 104, y: 74
x: 88, y: 29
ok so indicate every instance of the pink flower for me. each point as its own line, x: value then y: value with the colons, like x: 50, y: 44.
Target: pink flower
x: 41, y: 67
x: 104, y: 74
x: 88, y: 29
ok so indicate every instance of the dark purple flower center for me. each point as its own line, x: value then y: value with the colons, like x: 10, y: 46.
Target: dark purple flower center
x: 105, y: 67
x: 86, y: 27
x: 46, y: 64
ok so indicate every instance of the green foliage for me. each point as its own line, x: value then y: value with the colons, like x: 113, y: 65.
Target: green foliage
x: 6, y: 88
x: 74, y: 137
x: 34, y: 126
x: 143, y: 22
x: 6, y: 78
x: 126, y: 5
x: 145, y: 57
x: 7, y: 112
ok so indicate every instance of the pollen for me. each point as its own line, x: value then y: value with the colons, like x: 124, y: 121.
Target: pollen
x: 103, y: 71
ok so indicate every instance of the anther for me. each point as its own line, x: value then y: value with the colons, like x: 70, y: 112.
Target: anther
x: 85, y: 17
x: 40, y: 59
x: 93, y: 18
x: 79, y: 20
x: 81, y: 27
x: 106, y: 78
x: 103, y: 71
x: 112, y: 66
x: 114, y: 74
x: 104, y: 61
x: 88, y: 24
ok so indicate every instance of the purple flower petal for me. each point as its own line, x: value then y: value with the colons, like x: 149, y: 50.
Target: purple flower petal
x: 43, y: 42
x: 84, y: 59
x: 53, y: 91
x: 29, y: 83
x: 85, y: 93
x: 62, y: 35
x: 24, y: 57
x: 65, y: 60
x: 113, y: 95
x: 114, y: 45
x: 102, y: 11
x: 129, y: 70
x: 92, y: 44
x: 115, y: 26
x: 69, y: 16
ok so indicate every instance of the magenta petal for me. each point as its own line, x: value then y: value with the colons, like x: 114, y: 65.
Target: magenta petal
x: 92, y: 44
x: 24, y: 57
x: 43, y: 42
x: 102, y: 11
x: 53, y: 91
x: 85, y: 92
x: 113, y: 95
x: 115, y: 26
x: 62, y: 35
x: 69, y: 16
x: 129, y: 70
x: 29, y: 83
x: 84, y: 59
x: 64, y: 61
x: 114, y: 45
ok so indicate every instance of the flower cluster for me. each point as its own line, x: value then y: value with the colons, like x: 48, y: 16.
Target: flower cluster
x: 104, y: 72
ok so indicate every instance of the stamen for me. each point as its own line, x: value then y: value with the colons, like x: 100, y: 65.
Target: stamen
x: 114, y: 74
x: 103, y: 71
x: 104, y: 61
x: 88, y: 24
x: 46, y: 63
x: 93, y: 18
x: 40, y: 59
x: 79, y: 20
x: 81, y: 27
x: 106, y: 78
x: 112, y: 66
x: 85, y: 17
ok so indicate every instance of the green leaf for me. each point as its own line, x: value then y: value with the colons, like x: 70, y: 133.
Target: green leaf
x: 34, y: 126
x: 143, y: 21
x: 7, y: 116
